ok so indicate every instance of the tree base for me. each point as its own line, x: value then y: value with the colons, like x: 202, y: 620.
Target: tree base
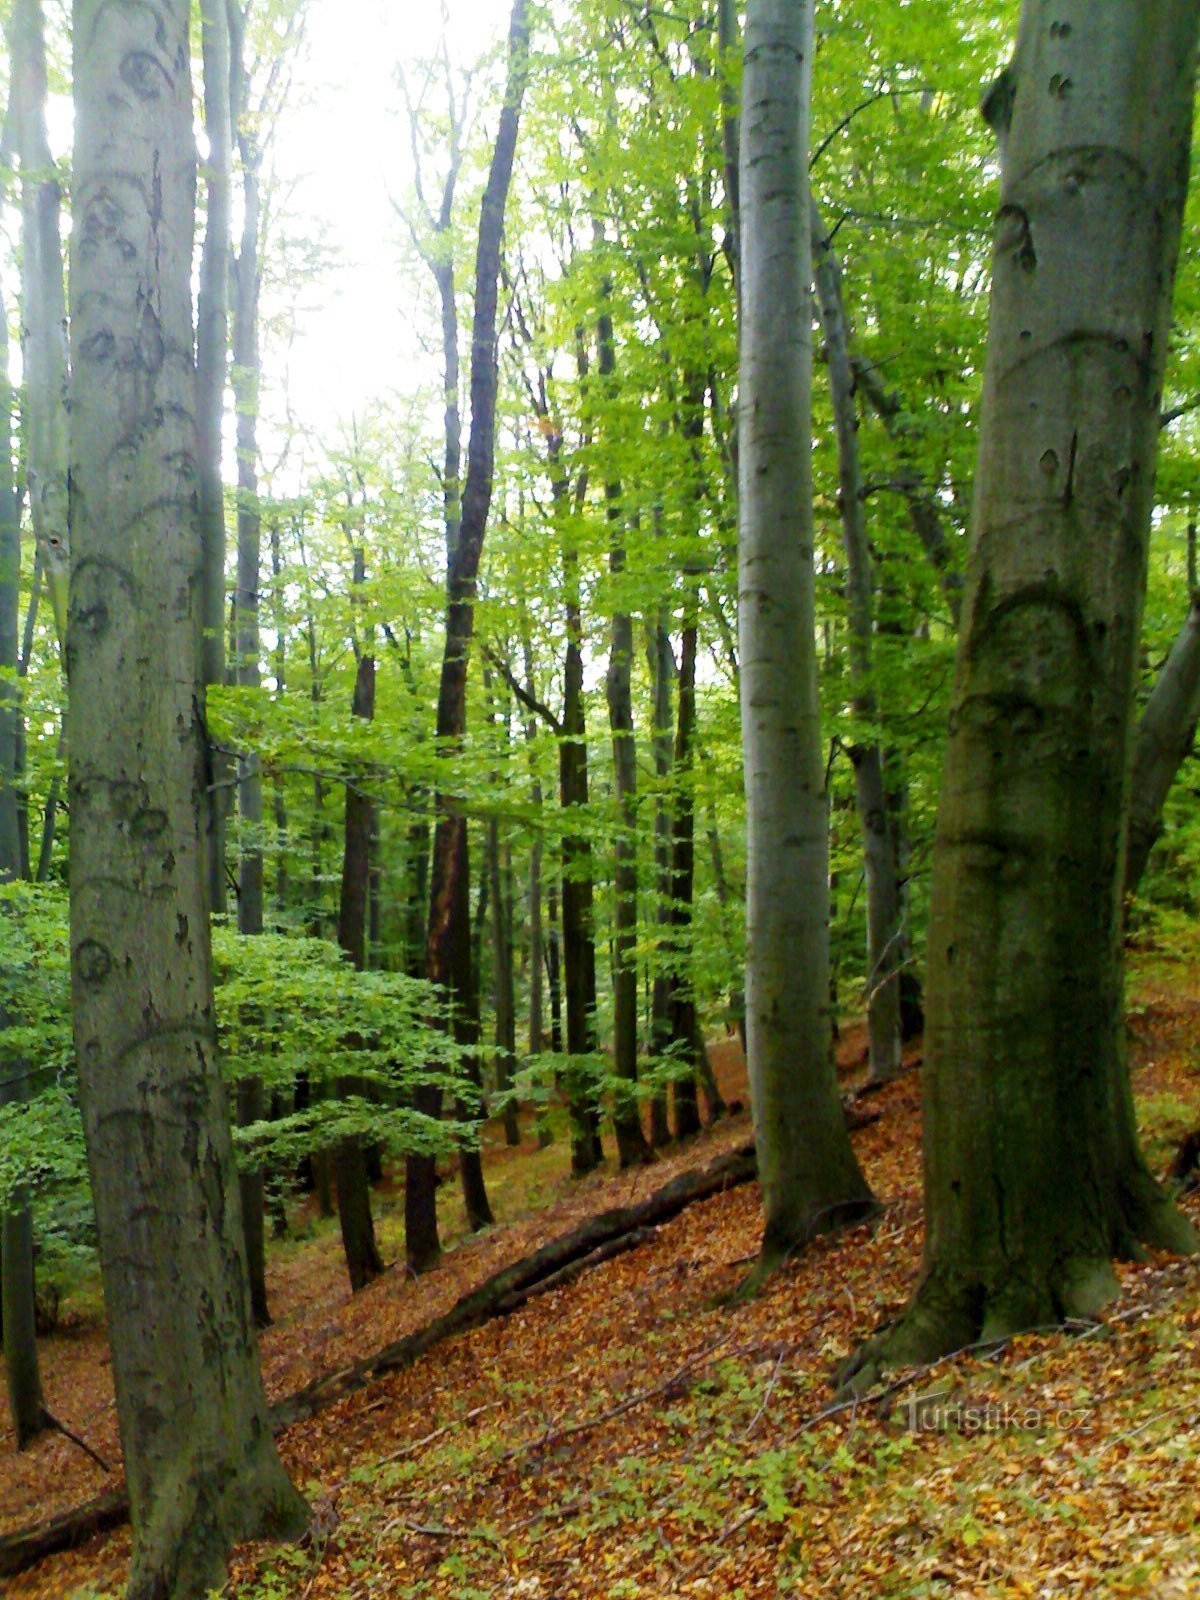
x: 776, y: 1250
x: 181, y: 1551
x: 952, y: 1312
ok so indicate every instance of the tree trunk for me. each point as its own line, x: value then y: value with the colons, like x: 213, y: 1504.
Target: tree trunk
x: 502, y: 958
x: 43, y: 307
x: 538, y: 955
x: 662, y: 672
x: 727, y: 29
x: 632, y: 1147
x: 684, y: 1036
x: 473, y: 1108
x: 27, y: 633
x: 874, y: 817
x: 554, y: 965
x: 212, y: 350
x: 1164, y: 737
x: 201, y: 1466
x: 447, y: 950
x: 578, y: 939
x: 363, y: 1261
x: 536, y: 986
x: 251, y: 1105
x: 737, y: 997
x: 17, y: 1317
x: 811, y: 1181
x: 279, y: 667
x: 1033, y: 1176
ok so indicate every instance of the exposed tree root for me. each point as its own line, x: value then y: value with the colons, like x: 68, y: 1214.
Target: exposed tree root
x: 946, y: 1317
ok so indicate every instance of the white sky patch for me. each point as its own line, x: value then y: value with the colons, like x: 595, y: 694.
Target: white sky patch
x: 345, y: 139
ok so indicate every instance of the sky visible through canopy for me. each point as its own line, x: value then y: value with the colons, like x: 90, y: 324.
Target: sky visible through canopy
x: 346, y: 140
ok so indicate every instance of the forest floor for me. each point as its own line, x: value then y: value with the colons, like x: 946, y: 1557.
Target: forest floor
x: 629, y: 1436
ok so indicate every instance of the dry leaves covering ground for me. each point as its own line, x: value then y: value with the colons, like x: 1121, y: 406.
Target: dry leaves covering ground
x: 629, y: 1436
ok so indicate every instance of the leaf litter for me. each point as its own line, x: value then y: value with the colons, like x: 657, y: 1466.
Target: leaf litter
x: 630, y: 1435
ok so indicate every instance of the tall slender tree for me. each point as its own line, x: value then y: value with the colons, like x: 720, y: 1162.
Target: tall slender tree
x: 866, y: 754
x: 350, y: 1163
x: 212, y: 365
x: 632, y: 1146
x: 810, y: 1178
x: 448, y: 945
x: 44, y: 359
x: 17, y: 1308
x: 200, y: 1460
x: 43, y: 305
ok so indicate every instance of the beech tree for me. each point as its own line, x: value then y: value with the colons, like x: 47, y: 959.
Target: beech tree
x: 44, y: 359
x: 447, y: 956
x: 810, y: 1178
x: 17, y: 1307
x: 200, y: 1461
x: 1033, y: 1176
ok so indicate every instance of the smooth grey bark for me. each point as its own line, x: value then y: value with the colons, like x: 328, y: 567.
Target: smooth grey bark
x: 1165, y: 733
x: 447, y: 949
x: 17, y: 1309
x: 1033, y: 1176
x: 212, y: 350
x: 874, y: 816
x: 251, y: 1099
x: 811, y: 1181
x: 32, y: 607
x: 224, y: 52
x: 200, y: 1462
x: 43, y: 306
x: 44, y: 353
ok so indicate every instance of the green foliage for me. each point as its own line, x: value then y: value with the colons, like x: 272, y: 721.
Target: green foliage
x: 289, y: 1008
x: 292, y: 1009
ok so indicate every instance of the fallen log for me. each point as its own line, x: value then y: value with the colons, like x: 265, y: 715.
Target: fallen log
x: 507, y: 1289
x: 575, y: 1269
x: 24, y: 1549
x: 595, y: 1240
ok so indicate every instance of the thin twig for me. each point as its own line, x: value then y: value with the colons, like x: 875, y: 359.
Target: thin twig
x: 53, y: 1422
x: 766, y: 1399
